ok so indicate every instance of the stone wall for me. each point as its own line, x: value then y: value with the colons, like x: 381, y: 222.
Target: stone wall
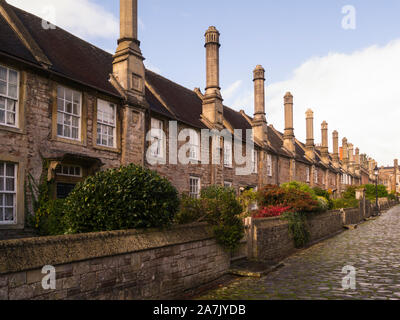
x: 113, y: 265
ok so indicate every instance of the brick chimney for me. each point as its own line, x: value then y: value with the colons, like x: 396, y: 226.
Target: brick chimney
x: 325, y: 147
x: 310, y: 146
x: 128, y: 68
x: 212, y: 102
x: 345, y: 158
x: 357, y: 162
x: 260, y: 128
x: 351, y: 158
x: 288, y: 137
x: 335, y: 155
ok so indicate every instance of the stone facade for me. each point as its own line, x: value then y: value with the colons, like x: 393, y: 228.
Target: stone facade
x: 390, y: 177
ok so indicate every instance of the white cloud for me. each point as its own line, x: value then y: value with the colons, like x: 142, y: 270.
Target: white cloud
x: 357, y: 94
x: 83, y: 18
x: 232, y: 90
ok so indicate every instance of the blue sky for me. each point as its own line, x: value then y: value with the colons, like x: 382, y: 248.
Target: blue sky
x: 349, y: 78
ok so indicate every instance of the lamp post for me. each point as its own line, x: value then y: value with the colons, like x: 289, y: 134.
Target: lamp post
x: 376, y: 171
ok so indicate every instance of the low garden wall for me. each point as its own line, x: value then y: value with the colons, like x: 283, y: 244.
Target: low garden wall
x: 269, y: 238
x: 113, y: 265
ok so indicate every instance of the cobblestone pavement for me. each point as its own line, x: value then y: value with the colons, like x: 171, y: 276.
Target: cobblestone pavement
x: 316, y: 273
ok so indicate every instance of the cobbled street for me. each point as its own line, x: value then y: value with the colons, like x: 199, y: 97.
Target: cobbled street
x: 316, y: 273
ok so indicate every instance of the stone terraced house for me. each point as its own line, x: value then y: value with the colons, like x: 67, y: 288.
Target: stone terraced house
x: 390, y: 177
x: 82, y: 109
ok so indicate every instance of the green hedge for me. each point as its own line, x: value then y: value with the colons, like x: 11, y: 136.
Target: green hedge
x: 125, y: 198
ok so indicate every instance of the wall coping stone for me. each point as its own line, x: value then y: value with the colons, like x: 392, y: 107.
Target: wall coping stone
x: 32, y: 253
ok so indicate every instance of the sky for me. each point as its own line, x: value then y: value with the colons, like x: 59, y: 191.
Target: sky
x: 342, y: 62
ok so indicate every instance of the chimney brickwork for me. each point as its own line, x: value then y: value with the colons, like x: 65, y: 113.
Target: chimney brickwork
x: 335, y: 155
x: 212, y: 102
x: 310, y: 146
x: 288, y: 137
x: 260, y: 128
x: 325, y: 147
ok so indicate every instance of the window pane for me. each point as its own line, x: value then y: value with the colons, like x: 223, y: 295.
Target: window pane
x: 68, y: 107
x: 68, y: 95
x: 3, y: 74
x: 12, y: 91
x: 9, y: 200
x: 59, y: 129
x: 67, y: 120
x: 10, y: 170
x: 60, y: 105
x: 67, y: 132
x: 77, y: 98
x: 65, y: 170
x: 9, y: 214
x: 1, y: 184
x: 13, y: 77
x: 1, y: 169
x: 10, y: 184
x: 2, y: 116
x: 2, y: 103
x: 10, y: 105
x: 110, y: 141
x: 10, y: 118
x: 75, y: 109
x: 1, y: 203
x: 75, y: 133
x: 3, y: 87
x: 78, y: 171
x: 75, y: 122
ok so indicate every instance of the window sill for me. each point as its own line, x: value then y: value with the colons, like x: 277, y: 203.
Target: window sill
x: 109, y: 149
x: 69, y: 141
x: 12, y: 129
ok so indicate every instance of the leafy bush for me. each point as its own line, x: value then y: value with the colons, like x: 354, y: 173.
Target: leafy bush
x: 323, y: 203
x: 392, y: 196
x: 222, y: 210
x: 271, y: 211
x: 350, y: 193
x: 124, y: 198
x: 297, y: 200
x: 323, y: 193
x: 247, y: 198
x: 343, y: 203
x: 49, y: 218
x: 370, y: 191
x: 296, y: 185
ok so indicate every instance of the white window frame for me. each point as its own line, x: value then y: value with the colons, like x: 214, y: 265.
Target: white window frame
x: 269, y: 165
x: 72, y: 115
x: 7, y: 97
x: 156, y: 132
x: 228, y: 184
x: 228, y: 154
x: 4, y: 193
x: 308, y: 174
x: 254, y: 160
x: 101, y: 123
x: 194, y: 151
x: 62, y: 166
x: 195, y: 194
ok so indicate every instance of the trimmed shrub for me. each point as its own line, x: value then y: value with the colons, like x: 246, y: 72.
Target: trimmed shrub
x: 271, y: 211
x: 350, y: 193
x: 300, y: 186
x: 370, y: 191
x: 323, y: 193
x: 323, y: 203
x: 222, y: 210
x: 125, y: 198
x: 343, y: 203
x: 297, y: 200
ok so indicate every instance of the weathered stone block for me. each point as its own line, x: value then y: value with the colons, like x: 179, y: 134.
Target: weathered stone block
x: 17, y: 279
x: 4, y: 293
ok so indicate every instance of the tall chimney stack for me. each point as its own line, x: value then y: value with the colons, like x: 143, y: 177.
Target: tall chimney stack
x: 325, y: 147
x: 310, y: 146
x: 260, y: 122
x: 212, y: 102
x: 358, y: 162
x: 128, y: 67
x: 351, y: 158
x: 345, y: 154
x: 335, y: 155
x: 288, y: 137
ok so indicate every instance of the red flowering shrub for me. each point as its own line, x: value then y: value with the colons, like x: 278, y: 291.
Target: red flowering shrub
x: 296, y: 200
x: 271, y: 211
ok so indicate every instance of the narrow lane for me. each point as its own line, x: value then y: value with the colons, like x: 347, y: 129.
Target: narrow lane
x: 373, y: 249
